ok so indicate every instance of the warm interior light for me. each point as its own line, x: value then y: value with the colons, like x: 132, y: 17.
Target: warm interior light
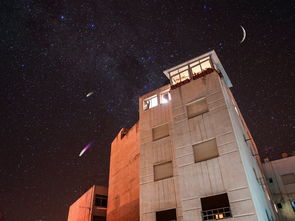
x: 219, y: 216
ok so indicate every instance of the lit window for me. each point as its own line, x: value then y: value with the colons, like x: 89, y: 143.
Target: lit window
x: 205, y: 65
x: 196, y: 69
x: 215, y: 207
x: 179, y: 75
x: 150, y: 102
x: 165, y: 97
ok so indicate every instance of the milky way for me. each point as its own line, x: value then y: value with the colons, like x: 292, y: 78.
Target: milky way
x: 55, y: 52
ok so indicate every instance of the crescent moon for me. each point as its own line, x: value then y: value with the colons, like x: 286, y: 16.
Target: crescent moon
x: 244, y: 34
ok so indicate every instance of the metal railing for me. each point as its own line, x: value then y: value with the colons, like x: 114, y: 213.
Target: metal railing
x: 216, y: 214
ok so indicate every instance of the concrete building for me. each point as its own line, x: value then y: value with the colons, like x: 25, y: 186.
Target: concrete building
x: 123, y: 202
x: 197, y: 159
x: 91, y: 206
x: 280, y: 176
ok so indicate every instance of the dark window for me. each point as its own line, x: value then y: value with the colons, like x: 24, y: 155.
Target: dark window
x: 99, y: 218
x: 215, y: 207
x: 270, y: 180
x: 279, y: 205
x: 166, y: 215
x: 101, y: 201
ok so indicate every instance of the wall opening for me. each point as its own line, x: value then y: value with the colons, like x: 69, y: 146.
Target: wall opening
x: 166, y: 215
x: 215, y: 207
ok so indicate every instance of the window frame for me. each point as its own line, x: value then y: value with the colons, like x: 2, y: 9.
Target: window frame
x: 149, y: 100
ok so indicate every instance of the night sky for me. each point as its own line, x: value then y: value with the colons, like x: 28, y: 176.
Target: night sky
x: 55, y: 52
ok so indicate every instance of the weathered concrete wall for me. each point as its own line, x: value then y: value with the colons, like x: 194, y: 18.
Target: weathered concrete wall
x: 282, y: 193
x: 123, y: 199
x: 160, y: 194
x: 83, y: 209
x: 223, y: 174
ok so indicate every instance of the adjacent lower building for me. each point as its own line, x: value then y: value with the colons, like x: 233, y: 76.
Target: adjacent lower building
x: 280, y: 176
x: 123, y: 200
x: 91, y: 206
x: 192, y: 152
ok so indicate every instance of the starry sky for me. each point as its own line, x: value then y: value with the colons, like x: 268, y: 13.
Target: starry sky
x: 55, y: 52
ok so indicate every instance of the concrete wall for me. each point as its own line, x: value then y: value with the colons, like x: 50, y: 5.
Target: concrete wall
x: 83, y: 209
x: 123, y: 199
x: 260, y: 193
x: 281, y: 193
x: 223, y: 174
x: 161, y: 194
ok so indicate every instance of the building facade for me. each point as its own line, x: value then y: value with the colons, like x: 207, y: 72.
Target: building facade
x: 123, y: 201
x: 280, y: 176
x: 91, y: 206
x: 197, y: 159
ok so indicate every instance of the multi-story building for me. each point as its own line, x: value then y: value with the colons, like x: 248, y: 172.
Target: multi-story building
x: 197, y: 158
x: 280, y: 175
x: 91, y: 206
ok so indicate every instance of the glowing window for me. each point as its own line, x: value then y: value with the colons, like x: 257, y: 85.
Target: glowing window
x: 184, y: 75
x: 150, y: 102
x: 165, y: 97
x: 206, y: 65
x: 196, y: 69
x: 175, y: 79
x: 215, y: 207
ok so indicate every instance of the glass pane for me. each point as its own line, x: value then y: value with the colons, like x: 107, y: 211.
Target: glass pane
x: 175, y: 79
x: 204, y: 59
x: 183, y: 68
x: 165, y: 98
x: 206, y: 65
x: 195, y: 63
x: 173, y: 72
x: 184, y: 75
x: 153, y: 102
x: 196, y: 69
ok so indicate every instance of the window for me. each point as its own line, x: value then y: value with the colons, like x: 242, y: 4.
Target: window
x: 197, y: 107
x: 270, y: 180
x: 288, y: 178
x: 201, y: 65
x: 179, y: 75
x: 99, y: 218
x: 165, y: 97
x: 101, y: 201
x: 150, y: 102
x: 215, y: 207
x: 166, y: 215
x: 205, y: 151
x: 279, y: 205
x: 160, y: 132
x: 163, y: 171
